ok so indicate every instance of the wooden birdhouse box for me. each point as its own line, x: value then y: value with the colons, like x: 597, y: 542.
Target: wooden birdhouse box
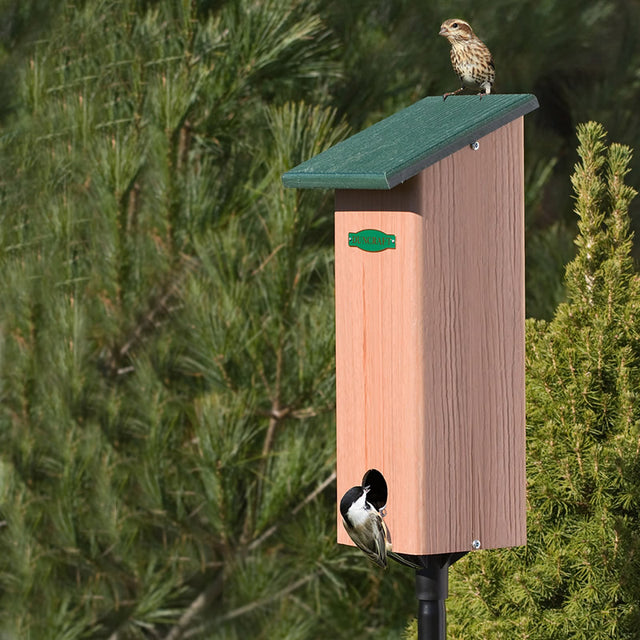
x: 429, y: 285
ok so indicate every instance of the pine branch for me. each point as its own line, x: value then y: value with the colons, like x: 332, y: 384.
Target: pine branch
x: 274, y: 421
x: 207, y: 597
x: 257, y: 604
x: 195, y: 609
x: 274, y: 528
x: 159, y: 307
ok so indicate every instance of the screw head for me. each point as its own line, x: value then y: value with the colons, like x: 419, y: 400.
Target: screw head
x: 475, y: 145
x: 476, y: 544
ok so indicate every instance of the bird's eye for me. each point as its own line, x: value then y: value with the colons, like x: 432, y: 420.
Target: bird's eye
x: 454, y: 25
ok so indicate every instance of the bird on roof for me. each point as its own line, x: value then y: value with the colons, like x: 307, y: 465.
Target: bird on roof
x: 471, y: 59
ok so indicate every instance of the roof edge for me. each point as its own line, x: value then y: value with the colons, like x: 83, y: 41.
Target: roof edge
x: 464, y: 139
x: 359, y: 162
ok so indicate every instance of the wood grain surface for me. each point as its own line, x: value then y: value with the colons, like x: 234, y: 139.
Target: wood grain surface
x: 430, y: 349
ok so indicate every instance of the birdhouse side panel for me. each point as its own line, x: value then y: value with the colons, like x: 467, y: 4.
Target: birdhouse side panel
x: 474, y: 345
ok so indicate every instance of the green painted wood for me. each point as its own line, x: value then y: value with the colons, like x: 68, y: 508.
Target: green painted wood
x: 400, y: 146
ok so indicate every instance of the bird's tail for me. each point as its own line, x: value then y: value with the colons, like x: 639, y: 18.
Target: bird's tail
x: 406, y: 560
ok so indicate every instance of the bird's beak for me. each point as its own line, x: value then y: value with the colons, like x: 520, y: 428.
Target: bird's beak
x: 443, y: 31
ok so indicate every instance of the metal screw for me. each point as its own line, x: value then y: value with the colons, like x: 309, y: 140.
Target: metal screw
x: 475, y: 145
x: 475, y: 545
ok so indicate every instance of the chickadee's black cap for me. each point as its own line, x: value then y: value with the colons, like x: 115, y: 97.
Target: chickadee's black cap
x: 349, y: 498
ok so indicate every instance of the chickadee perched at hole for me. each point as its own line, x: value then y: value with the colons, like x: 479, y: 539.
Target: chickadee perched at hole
x: 367, y: 529
x: 364, y: 525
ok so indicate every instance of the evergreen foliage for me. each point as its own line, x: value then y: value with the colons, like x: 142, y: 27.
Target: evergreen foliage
x: 166, y: 326
x: 579, y: 57
x: 167, y: 440
x: 578, y: 576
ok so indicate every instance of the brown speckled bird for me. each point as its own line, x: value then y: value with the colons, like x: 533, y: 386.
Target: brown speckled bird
x: 470, y: 57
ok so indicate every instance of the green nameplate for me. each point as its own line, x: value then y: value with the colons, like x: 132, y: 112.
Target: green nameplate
x: 372, y: 240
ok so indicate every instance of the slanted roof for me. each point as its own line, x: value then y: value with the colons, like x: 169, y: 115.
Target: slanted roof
x: 400, y: 146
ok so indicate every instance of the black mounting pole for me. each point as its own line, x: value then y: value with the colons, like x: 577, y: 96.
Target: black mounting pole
x: 432, y: 589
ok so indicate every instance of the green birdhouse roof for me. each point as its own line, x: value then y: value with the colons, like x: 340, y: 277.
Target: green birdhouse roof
x: 400, y: 146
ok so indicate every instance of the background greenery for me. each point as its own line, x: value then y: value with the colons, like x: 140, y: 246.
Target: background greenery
x: 166, y: 327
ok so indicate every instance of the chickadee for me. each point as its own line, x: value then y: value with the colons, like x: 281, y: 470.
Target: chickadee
x: 367, y: 529
x: 365, y: 525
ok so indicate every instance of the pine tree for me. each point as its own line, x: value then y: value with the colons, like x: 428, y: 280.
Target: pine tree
x: 166, y: 429
x: 166, y: 333
x: 578, y: 576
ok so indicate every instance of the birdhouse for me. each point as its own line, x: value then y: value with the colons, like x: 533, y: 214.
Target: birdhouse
x: 429, y: 288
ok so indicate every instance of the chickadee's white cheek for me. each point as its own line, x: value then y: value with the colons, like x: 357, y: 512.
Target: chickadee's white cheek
x: 358, y: 516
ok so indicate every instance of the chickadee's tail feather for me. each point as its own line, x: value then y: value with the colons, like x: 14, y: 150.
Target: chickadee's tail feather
x: 402, y: 560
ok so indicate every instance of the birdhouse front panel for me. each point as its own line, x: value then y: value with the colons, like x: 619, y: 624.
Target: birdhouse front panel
x: 430, y: 348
